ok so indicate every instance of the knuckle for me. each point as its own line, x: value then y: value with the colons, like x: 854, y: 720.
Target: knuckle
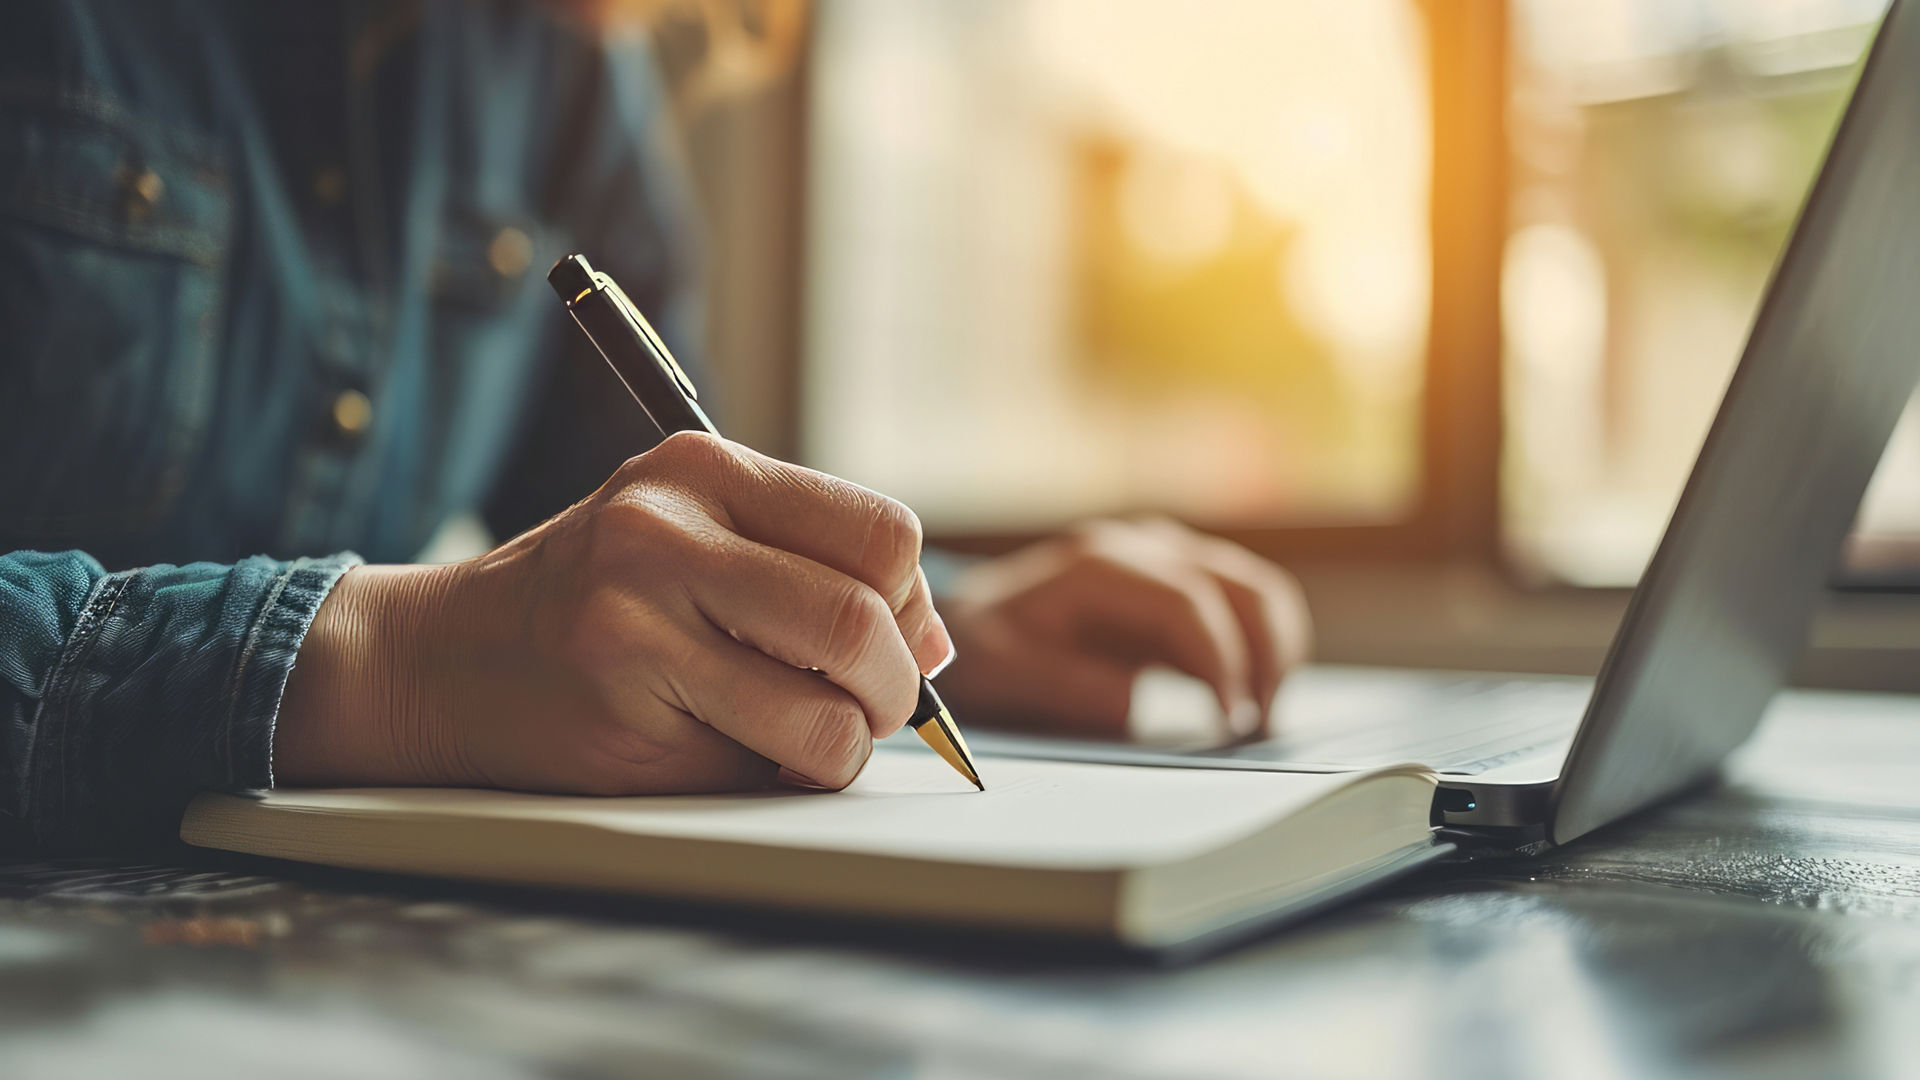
x: 1288, y: 587
x: 1091, y: 554
x: 690, y: 444
x: 1158, y: 523
x: 835, y: 743
x: 1088, y: 537
x: 893, y: 541
x: 625, y: 526
x: 857, y: 618
x: 698, y: 454
x: 1109, y: 547
x: 633, y: 470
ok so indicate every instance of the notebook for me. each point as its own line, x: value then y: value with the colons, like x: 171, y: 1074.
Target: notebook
x: 1136, y: 856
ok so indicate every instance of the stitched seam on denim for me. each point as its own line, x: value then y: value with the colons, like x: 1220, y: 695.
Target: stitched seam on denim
x: 329, y: 576
x: 89, y: 221
x: 55, y: 680
x: 246, y: 658
x: 182, y: 154
x: 99, y: 608
x: 105, y: 113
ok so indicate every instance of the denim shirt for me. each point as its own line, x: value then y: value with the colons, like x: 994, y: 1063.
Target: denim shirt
x: 271, y: 294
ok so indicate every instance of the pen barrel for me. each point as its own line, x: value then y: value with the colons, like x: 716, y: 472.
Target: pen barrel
x: 625, y: 349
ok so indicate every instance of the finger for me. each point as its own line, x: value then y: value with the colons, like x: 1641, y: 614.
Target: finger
x: 1170, y: 612
x: 931, y: 644
x: 1283, y: 606
x: 1268, y: 604
x: 810, y: 616
x: 1263, y: 663
x: 1265, y: 598
x: 859, y: 532
x: 1069, y: 691
x: 793, y: 718
x: 886, y: 557
x: 686, y: 757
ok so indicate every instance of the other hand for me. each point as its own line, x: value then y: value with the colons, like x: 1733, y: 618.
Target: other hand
x: 1053, y: 635
x: 711, y: 619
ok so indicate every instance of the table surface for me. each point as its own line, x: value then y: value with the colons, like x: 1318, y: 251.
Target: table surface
x: 1769, y: 926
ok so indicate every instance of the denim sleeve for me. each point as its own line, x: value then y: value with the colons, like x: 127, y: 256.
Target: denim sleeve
x: 125, y: 694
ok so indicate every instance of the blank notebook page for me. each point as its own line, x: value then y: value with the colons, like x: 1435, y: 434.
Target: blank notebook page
x: 1050, y: 814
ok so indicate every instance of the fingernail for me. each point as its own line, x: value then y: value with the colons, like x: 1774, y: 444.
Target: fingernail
x: 793, y: 779
x: 937, y: 640
x: 1244, y: 718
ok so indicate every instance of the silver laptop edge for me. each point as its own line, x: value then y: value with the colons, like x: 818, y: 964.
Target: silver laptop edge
x: 1723, y: 611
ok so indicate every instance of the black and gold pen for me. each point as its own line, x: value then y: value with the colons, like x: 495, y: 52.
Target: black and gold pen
x: 640, y: 358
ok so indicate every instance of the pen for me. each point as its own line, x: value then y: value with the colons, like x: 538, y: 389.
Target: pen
x: 636, y: 354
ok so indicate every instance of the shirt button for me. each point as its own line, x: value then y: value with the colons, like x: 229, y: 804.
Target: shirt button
x: 510, y: 252
x: 329, y: 185
x: 143, y: 191
x: 352, y: 413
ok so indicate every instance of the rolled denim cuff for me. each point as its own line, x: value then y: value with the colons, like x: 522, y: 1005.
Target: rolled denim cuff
x: 267, y: 660
x: 169, y: 685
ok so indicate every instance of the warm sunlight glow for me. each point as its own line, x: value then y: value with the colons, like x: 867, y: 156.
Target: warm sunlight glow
x: 1152, y: 255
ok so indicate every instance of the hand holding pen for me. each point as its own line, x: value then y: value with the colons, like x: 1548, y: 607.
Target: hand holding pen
x: 645, y: 366
x: 710, y: 619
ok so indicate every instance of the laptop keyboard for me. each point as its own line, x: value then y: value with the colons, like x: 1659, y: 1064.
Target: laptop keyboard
x: 1463, y: 727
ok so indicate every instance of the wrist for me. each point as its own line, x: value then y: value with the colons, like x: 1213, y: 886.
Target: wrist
x: 355, y: 710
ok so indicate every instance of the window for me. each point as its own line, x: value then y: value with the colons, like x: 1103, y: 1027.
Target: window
x: 1080, y: 256
x: 1660, y: 153
x: 1069, y: 257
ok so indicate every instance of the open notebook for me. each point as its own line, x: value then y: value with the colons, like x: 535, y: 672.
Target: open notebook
x: 1142, y: 857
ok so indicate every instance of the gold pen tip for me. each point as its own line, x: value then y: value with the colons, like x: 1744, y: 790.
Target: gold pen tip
x: 943, y: 735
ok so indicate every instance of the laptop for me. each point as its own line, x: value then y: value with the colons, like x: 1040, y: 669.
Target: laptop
x: 1724, y: 608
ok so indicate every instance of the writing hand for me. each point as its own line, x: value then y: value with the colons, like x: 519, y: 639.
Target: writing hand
x: 708, y: 620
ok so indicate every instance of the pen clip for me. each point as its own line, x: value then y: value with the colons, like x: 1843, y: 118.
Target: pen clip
x: 626, y: 307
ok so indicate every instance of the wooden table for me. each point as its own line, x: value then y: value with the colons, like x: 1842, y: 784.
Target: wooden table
x: 1768, y: 927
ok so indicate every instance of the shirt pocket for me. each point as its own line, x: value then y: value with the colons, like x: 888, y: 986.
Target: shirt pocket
x: 114, y: 242
x: 491, y: 319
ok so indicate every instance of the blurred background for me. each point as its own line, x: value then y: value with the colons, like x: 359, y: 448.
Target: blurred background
x: 1431, y: 301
